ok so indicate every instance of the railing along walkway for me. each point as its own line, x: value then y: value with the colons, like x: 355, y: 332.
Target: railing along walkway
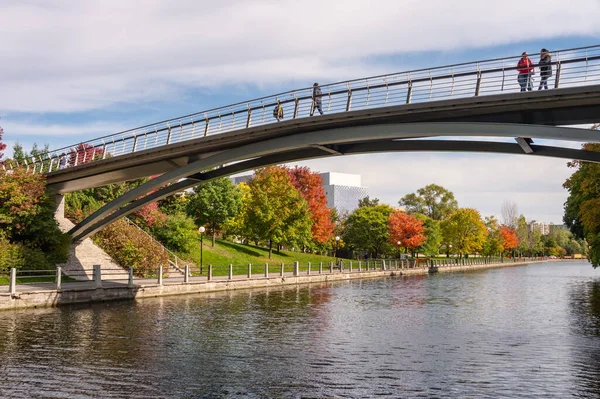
x: 28, y: 281
x: 571, y: 68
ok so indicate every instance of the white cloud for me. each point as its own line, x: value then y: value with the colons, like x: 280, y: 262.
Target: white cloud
x: 70, y: 55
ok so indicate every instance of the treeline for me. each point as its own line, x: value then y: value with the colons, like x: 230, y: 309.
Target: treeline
x: 582, y: 208
x: 430, y: 222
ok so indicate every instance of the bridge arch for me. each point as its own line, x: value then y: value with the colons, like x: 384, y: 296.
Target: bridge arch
x: 392, y: 137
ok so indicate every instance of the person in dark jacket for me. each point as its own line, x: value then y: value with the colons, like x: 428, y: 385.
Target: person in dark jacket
x: 545, y: 68
x: 278, y: 112
x: 317, y: 102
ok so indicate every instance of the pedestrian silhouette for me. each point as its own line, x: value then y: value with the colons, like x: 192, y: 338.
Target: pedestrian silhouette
x: 545, y: 68
x: 278, y: 112
x: 316, y: 97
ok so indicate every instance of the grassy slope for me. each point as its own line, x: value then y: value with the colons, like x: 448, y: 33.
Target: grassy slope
x: 240, y: 256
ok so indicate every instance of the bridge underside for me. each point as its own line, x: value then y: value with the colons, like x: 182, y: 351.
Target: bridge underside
x: 336, y: 142
x: 457, y: 117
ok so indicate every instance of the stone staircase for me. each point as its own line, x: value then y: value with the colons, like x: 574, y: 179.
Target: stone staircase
x: 84, y: 255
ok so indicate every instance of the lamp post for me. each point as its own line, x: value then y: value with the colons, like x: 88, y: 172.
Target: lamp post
x: 337, y: 243
x: 399, y: 243
x: 449, y: 249
x: 201, y: 229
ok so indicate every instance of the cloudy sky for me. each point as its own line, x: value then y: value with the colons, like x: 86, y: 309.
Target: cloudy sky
x: 74, y: 70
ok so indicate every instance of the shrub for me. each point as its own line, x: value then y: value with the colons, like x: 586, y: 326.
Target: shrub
x: 28, y: 231
x: 23, y: 258
x: 178, y: 233
x: 130, y: 247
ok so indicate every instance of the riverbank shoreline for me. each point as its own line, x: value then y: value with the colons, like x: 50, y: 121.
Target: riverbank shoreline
x: 123, y: 291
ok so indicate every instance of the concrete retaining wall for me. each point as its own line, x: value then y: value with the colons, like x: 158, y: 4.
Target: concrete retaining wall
x: 50, y: 298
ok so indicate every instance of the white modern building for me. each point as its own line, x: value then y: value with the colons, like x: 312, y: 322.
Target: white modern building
x: 343, y: 191
x: 536, y: 225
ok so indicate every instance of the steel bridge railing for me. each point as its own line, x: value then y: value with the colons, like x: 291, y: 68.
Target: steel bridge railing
x: 570, y: 68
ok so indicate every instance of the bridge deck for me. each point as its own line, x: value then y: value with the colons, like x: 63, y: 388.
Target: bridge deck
x: 575, y: 105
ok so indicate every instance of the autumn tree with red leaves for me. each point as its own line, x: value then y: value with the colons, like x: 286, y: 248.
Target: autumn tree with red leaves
x: 309, y: 185
x: 150, y: 213
x: 84, y: 153
x: 407, y: 229
x: 509, y: 238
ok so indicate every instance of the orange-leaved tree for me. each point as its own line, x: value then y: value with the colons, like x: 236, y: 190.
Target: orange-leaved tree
x: 406, y: 229
x: 309, y: 185
x: 509, y: 238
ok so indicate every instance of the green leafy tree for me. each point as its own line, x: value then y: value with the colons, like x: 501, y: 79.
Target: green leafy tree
x: 366, y: 229
x: 433, y: 232
x: 493, y: 242
x: 277, y: 212
x: 433, y: 201
x: 18, y: 153
x: 465, y: 231
x: 174, y: 204
x: 213, y: 204
x: 178, y: 233
x: 236, y: 226
x: 27, y: 219
x: 366, y: 201
x: 522, y: 231
x: 582, y: 208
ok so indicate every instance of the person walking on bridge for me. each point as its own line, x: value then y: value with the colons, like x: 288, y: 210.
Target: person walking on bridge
x: 545, y: 68
x: 316, y: 97
x: 526, y: 71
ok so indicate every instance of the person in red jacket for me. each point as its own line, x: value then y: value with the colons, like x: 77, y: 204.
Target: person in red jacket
x: 526, y: 71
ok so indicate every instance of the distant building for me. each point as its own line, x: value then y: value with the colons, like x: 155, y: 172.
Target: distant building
x: 343, y: 191
x: 536, y: 225
x: 241, y: 179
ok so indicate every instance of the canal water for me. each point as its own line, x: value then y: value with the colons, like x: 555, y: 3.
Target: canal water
x: 528, y: 332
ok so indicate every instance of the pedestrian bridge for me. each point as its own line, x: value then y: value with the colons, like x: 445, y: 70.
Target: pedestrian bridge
x: 422, y: 110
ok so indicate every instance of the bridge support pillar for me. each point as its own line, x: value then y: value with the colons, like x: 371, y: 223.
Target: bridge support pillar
x: 97, y: 276
x: 58, y: 278
x: 12, y: 288
x: 130, y: 279
x: 59, y: 209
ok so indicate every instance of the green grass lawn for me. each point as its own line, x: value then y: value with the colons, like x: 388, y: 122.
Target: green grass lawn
x: 5, y: 279
x: 239, y: 255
